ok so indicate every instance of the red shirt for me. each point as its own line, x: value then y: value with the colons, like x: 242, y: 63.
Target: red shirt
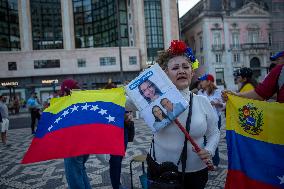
x: 269, y: 86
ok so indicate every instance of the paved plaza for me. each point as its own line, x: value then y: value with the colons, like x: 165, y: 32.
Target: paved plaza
x: 50, y: 174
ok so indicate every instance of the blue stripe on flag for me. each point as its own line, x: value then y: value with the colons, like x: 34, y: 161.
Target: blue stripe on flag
x: 80, y: 114
x: 259, y: 160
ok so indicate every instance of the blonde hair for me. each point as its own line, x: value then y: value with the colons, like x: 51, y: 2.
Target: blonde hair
x: 211, y: 88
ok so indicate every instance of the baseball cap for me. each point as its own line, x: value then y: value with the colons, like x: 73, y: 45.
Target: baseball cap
x: 69, y: 84
x: 207, y: 77
x: 277, y: 55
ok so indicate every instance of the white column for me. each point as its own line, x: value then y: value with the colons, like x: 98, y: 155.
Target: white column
x: 67, y: 24
x: 166, y: 13
x: 25, y: 25
x: 139, y: 20
x: 228, y: 71
x: 207, y: 46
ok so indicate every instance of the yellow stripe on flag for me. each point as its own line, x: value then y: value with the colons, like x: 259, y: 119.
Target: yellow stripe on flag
x: 115, y: 95
x: 255, y: 119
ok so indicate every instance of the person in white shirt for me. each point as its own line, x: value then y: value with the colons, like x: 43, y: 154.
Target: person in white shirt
x: 169, y: 141
x: 210, y: 90
x: 4, y: 124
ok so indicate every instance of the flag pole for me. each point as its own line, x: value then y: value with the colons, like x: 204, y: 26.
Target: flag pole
x: 190, y: 139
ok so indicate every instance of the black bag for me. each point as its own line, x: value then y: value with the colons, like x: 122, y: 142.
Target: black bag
x: 162, y: 176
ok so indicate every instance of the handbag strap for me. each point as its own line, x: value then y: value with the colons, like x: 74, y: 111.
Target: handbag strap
x: 183, y: 157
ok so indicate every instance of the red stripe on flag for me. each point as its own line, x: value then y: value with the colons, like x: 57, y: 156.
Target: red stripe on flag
x: 238, y: 180
x: 77, y: 140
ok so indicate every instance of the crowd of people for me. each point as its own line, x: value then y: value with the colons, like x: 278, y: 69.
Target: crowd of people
x: 202, y: 120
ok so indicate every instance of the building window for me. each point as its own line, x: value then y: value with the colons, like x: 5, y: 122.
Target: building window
x: 201, y: 43
x: 107, y: 61
x: 216, y: 38
x: 218, y: 58
x: 202, y: 60
x: 96, y: 23
x: 219, y: 76
x: 12, y: 66
x: 235, y: 40
x: 270, y: 39
x: 154, y: 28
x: 9, y: 26
x: 46, y: 24
x: 236, y: 57
x: 132, y: 60
x: 253, y: 36
x: 81, y: 63
x: 131, y: 43
x: 39, y: 64
x: 130, y: 29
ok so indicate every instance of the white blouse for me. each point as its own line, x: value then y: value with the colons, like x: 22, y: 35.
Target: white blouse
x: 169, y: 140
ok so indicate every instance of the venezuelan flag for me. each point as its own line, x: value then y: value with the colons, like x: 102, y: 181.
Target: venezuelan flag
x: 255, y: 143
x: 87, y: 122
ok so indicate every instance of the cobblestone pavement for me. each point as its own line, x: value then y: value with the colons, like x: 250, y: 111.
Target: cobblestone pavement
x: 50, y: 174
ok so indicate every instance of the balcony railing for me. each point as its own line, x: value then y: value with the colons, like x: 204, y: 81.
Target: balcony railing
x: 235, y: 47
x: 247, y: 46
x: 219, y: 47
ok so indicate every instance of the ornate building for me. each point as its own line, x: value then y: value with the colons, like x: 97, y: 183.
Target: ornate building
x: 227, y: 35
x: 43, y: 42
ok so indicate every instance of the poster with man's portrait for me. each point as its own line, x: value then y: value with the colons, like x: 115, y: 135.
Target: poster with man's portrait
x: 156, y: 97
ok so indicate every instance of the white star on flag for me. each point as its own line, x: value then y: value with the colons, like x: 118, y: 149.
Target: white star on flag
x: 85, y: 107
x: 49, y: 128
x: 110, y: 118
x: 94, y: 108
x: 57, y: 120
x: 102, y: 112
x: 65, y: 113
x: 281, y: 179
x: 74, y: 108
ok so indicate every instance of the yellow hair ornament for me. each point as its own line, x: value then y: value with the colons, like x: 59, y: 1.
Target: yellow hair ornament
x: 195, y: 64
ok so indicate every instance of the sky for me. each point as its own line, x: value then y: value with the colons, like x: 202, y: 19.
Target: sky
x: 185, y: 5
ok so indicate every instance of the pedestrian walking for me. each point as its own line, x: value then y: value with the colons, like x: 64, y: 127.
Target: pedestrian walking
x: 34, y: 108
x: 5, y: 119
